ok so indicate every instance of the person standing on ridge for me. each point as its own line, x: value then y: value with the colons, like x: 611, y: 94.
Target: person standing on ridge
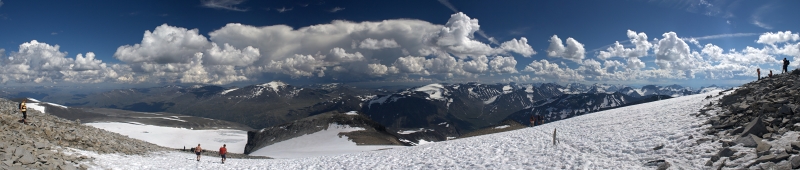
x: 24, y: 109
x: 770, y: 73
x: 785, y: 65
x: 222, y: 152
x: 759, y: 73
x: 197, y: 151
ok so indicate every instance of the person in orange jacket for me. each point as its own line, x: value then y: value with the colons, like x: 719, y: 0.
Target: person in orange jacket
x: 222, y: 152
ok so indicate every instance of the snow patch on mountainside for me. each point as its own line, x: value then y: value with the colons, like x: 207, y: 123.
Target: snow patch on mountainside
x: 507, y: 89
x: 179, y: 137
x: 435, y: 91
x: 274, y: 85
x: 491, y: 100
x: 323, y: 143
x: 39, y: 106
x: 228, y: 91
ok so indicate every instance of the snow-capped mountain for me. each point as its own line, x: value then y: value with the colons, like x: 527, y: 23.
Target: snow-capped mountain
x: 671, y: 90
x: 465, y: 107
x: 630, y: 91
x: 578, y: 88
x: 571, y: 105
x: 709, y: 88
x: 258, y: 106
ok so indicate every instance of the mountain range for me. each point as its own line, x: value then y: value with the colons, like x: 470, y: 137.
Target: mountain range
x: 433, y: 112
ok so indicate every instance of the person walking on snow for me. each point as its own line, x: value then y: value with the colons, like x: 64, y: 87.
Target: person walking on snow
x: 785, y: 65
x: 222, y: 152
x: 24, y: 109
x: 197, y: 151
x: 533, y: 120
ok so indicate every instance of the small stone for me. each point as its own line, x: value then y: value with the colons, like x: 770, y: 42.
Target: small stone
x: 768, y: 165
x: 783, y: 165
x: 763, y: 148
x: 27, y: 159
x: 68, y: 166
x: 661, y: 146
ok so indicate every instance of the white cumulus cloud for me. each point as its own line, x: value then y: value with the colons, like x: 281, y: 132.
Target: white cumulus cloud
x: 572, y: 51
x: 502, y: 64
x: 552, y: 71
x: 374, y: 44
x: 165, y: 44
x: 672, y: 53
x: 642, y: 46
x: 778, y: 37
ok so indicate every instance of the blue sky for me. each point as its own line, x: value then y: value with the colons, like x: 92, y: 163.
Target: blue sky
x: 688, y: 42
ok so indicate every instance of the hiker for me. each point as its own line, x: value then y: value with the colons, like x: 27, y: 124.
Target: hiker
x: 533, y: 120
x: 541, y: 120
x: 222, y: 152
x: 555, y: 140
x: 770, y: 73
x: 759, y: 73
x: 24, y: 109
x: 785, y: 64
x: 197, y: 151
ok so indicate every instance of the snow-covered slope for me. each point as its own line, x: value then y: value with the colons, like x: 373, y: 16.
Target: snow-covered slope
x: 179, y: 137
x: 621, y: 138
x: 39, y: 105
x: 322, y: 143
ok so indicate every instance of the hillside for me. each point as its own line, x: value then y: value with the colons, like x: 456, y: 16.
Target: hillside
x: 757, y: 124
x: 50, y: 142
x: 610, y: 139
x: 368, y: 132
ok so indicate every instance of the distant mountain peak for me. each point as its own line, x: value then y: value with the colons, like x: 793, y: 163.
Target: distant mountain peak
x: 435, y: 91
x: 274, y: 85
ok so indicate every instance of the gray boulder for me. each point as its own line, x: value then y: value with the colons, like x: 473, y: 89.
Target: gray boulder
x: 783, y: 165
x: 785, y: 110
x: 755, y: 127
x: 765, y: 158
x: 27, y: 159
x: 762, y: 148
x: 795, y: 161
x: 726, y: 152
x: 748, y: 141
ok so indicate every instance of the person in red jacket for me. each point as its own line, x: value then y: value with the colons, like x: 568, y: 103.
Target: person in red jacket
x: 222, y: 152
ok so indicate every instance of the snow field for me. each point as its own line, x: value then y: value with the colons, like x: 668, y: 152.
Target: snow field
x: 323, y: 143
x: 179, y: 137
x: 621, y: 138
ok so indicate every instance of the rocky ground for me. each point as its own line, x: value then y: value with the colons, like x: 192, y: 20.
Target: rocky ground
x: 45, y: 143
x: 757, y: 124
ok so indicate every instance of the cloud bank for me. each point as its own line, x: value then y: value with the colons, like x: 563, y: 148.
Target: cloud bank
x: 340, y: 50
x: 389, y: 50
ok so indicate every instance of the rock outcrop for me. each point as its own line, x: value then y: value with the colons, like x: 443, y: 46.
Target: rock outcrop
x: 755, y: 113
x: 46, y: 141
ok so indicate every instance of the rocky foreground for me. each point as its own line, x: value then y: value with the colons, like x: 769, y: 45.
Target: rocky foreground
x: 45, y: 143
x: 756, y: 125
